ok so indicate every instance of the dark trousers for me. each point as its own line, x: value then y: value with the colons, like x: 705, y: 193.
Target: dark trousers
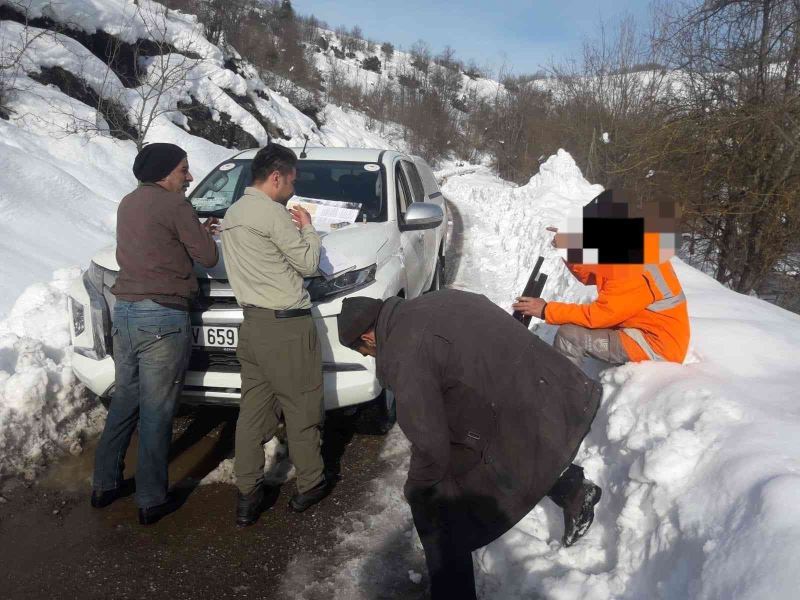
x: 151, y: 351
x: 449, y: 560
x: 281, y: 375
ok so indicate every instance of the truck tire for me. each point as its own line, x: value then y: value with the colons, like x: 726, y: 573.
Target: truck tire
x: 377, y: 416
x: 438, y: 275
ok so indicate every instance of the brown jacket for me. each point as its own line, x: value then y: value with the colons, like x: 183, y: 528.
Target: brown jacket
x: 158, y: 236
x: 493, y: 414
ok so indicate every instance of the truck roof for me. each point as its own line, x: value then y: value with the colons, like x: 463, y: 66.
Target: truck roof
x: 337, y: 154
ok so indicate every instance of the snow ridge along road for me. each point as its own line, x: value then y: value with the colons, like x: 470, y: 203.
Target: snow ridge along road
x: 699, y: 462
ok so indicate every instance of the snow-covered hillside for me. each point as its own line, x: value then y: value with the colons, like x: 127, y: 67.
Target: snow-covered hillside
x: 62, y: 175
x: 393, y: 70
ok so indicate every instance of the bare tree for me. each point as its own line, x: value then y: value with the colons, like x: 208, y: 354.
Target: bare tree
x: 740, y: 112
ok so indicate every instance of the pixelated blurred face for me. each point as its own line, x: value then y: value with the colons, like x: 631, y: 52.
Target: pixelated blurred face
x: 609, y: 232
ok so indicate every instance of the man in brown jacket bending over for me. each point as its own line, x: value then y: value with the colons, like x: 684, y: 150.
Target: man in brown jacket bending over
x: 158, y: 237
x: 494, y: 416
x: 268, y: 250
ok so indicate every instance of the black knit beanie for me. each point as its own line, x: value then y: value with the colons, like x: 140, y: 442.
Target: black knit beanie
x: 358, y: 315
x: 156, y: 161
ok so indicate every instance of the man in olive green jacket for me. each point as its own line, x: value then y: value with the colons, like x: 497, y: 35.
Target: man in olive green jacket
x: 267, y: 251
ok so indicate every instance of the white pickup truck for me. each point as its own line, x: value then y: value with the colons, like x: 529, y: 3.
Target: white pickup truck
x: 396, y: 246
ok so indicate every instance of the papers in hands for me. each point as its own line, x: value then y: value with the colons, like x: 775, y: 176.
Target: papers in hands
x: 327, y: 214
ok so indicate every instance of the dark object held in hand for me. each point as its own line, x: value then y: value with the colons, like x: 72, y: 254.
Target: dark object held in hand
x: 533, y: 289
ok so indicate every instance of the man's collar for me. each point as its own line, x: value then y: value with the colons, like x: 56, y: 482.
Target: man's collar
x: 254, y: 191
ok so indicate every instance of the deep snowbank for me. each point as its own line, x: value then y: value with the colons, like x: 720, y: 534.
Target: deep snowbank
x: 698, y: 462
x: 44, y: 410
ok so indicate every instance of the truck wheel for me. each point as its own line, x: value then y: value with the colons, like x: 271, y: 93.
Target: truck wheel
x: 377, y: 416
x: 438, y: 275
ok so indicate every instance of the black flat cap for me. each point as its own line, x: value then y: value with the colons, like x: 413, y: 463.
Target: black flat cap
x: 358, y: 315
x: 156, y: 161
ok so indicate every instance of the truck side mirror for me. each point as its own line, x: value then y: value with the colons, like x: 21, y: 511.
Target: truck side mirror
x: 421, y: 215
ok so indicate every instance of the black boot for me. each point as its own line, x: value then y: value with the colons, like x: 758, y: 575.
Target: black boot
x: 103, y: 499
x: 579, y: 512
x: 306, y: 500
x: 249, y: 506
x: 577, y: 496
x: 153, y: 514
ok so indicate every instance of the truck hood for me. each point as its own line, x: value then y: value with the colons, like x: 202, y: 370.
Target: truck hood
x: 107, y: 258
x: 360, y: 244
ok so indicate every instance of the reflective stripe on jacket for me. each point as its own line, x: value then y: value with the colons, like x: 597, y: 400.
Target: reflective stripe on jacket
x: 646, y: 303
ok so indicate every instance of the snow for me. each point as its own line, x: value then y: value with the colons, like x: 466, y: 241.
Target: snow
x: 44, y: 410
x: 55, y: 155
x: 698, y: 462
x: 61, y: 177
x: 399, y: 64
x: 128, y: 21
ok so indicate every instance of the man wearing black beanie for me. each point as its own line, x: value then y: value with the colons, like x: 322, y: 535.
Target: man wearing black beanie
x: 158, y: 238
x: 156, y: 161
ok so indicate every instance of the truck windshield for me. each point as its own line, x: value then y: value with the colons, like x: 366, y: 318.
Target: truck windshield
x: 319, y: 179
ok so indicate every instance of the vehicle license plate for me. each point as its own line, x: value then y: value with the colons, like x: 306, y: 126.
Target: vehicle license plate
x: 206, y: 336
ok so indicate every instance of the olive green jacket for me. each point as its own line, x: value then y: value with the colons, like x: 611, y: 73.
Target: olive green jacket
x: 265, y: 256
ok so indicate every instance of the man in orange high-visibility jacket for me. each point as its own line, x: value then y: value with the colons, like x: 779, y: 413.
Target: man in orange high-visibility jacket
x: 639, y: 314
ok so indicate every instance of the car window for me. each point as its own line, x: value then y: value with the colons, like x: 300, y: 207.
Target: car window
x: 342, y: 182
x: 322, y: 180
x: 417, y: 191
x: 403, y: 195
x: 220, y: 189
x: 429, y: 184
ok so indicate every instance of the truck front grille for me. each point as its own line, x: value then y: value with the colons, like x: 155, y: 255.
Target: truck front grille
x: 220, y: 362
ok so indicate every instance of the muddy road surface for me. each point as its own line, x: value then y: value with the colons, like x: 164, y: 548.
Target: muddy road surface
x: 54, y: 545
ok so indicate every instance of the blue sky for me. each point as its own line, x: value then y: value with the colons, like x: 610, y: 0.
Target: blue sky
x: 525, y: 34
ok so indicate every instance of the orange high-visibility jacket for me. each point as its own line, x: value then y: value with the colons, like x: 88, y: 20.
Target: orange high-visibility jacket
x: 644, y: 302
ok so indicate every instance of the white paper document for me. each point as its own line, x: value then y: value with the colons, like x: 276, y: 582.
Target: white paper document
x: 327, y: 215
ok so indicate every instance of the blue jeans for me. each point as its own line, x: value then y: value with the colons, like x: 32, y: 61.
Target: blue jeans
x: 152, y: 344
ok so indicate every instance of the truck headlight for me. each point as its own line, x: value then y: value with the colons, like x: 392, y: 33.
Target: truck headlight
x: 78, y: 319
x: 97, y: 281
x: 320, y: 288
x: 101, y: 278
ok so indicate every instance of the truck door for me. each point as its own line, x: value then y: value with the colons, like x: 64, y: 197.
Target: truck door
x: 429, y: 235
x: 412, y: 243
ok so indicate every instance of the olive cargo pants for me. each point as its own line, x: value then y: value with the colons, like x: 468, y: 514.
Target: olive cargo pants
x: 576, y: 342
x: 281, y: 374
